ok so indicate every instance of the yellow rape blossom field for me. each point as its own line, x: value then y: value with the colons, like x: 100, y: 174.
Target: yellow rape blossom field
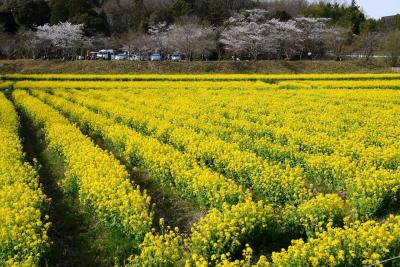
x: 260, y: 170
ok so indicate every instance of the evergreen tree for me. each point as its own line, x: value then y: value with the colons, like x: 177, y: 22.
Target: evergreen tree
x: 59, y: 11
x: 139, y: 15
x: 76, y: 7
x: 82, y: 12
x: 7, y: 22
x: 31, y: 13
x: 340, y: 14
x: 93, y: 23
x: 356, y: 17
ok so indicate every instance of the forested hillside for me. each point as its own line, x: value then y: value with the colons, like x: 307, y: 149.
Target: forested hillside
x: 145, y: 26
x: 119, y: 16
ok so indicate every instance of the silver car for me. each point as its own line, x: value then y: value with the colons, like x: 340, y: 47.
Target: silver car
x: 176, y: 57
x: 155, y: 57
x: 121, y: 57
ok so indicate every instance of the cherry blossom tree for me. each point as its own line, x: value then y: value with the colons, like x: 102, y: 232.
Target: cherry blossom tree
x: 64, y: 36
x: 289, y: 37
x: 313, y: 32
x: 368, y: 44
x: 234, y: 40
x: 190, y: 36
x: 159, y: 34
x: 251, y: 33
x: 271, y: 38
x: 336, y: 39
x: 140, y: 43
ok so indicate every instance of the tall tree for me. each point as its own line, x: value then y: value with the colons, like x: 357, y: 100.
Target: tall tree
x: 65, y: 36
x: 368, y: 43
x: 337, y: 38
x: 7, y: 22
x: 59, y: 11
x: 79, y: 12
x: 185, y: 36
x: 357, y: 17
x: 343, y: 15
x: 31, y: 13
x: 138, y: 14
x: 76, y: 7
x: 391, y: 48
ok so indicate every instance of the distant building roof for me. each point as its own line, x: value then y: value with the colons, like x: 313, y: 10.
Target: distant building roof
x: 388, y: 18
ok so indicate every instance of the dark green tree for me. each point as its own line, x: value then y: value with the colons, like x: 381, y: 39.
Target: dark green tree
x: 59, y: 11
x: 216, y: 12
x: 340, y: 14
x: 82, y: 12
x: 7, y: 22
x: 281, y: 15
x: 139, y: 16
x: 182, y: 8
x: 93, y: 23
x: 371, y: 25
x: 356, y: 17
x: 76, y: 7
x: 31, y: 13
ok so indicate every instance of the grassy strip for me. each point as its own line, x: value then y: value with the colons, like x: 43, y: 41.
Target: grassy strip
x: 269, y: 78
x: 271, y: 66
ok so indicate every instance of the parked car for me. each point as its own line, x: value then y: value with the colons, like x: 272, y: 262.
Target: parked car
x: 121, y: 57
x: 92, y: 55
x: 155, y: 57
x: 106, y: 54
x: 176, y: 57
x: 140, y: 57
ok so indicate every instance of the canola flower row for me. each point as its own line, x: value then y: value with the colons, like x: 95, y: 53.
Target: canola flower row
x: 23, y: 222
x: 205, y: 234
x: 168, y: 166
x: 329, y: 171
x: 99, y: 180
x: 142, y: 85
x: 6, y: 85
x: 222, y: 85
x: 364, y: 146
x: 196, y: 77
x: 357, y: 244
x: 345, y: 84
x: 311, y: 145
x: 205, y: 239
x: 330, y: 158
x: 221, y: 235
x: 383, y: 185
x: 278, y: 185
x: 324, y: 139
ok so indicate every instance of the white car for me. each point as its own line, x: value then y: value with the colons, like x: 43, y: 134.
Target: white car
x: 140, y: 57
x: 121, y: 57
